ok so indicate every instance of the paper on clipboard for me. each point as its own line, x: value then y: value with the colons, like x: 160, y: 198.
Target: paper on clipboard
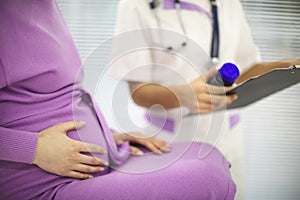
x: 259, y: 87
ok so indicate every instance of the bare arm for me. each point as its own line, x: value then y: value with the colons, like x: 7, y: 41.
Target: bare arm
x: 197, y: 95
x: 149, y: 94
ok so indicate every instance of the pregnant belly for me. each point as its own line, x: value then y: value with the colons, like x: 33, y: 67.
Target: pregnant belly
x: 78, y: 110
x: 92, y: 131
x: 31, y: 179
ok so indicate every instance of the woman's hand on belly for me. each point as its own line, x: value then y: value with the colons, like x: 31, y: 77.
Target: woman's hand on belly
x: 58, y: 154
x: 155, y: 145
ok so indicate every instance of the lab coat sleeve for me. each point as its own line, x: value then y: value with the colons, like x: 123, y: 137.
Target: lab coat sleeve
x: 17, y: 145
x: 131, y: 57
x: 247, y: 52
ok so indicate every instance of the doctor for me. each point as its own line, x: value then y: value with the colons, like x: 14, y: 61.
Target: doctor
x: 220, y: 30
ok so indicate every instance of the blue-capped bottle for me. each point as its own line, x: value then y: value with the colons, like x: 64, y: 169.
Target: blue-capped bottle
x: 226, y: 75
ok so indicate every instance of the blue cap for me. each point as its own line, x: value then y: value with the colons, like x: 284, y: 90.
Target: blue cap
x: 229, y: 72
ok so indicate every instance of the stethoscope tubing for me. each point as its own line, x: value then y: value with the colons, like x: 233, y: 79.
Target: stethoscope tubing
x: 215, y: 43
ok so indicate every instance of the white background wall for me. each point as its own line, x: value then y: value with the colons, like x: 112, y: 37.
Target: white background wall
x: 271, y: 126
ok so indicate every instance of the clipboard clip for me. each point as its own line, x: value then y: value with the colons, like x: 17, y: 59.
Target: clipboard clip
x: 294, y: 67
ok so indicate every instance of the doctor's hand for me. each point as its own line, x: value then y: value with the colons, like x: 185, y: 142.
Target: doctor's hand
x: 157, y: 146
x: 58, y: 154
x: 203, y: 98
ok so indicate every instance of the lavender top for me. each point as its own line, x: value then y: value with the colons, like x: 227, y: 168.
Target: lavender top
x: 40, y: 82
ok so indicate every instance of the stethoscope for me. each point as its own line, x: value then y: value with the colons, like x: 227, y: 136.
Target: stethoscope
x: 214, y: 50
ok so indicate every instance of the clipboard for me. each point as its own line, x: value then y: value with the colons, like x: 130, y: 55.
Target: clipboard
x: 264, y: 85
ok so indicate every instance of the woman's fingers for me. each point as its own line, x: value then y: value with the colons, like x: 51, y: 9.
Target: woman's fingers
x: 69, y: 160
x: 155, y: 145
x: 70, y: 125
x: 152, y: 147
x: 78, y: 175
x: 92, y: 160
x: 120, y: 137
x: 91, y: 148
x: 82, y: 168
x: 136, y: 151
x: 161, y: 144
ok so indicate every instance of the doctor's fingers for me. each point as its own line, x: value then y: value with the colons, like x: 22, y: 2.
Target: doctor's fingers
x: 213, y: 89
x: 210, y: 73
x: 203, y: 87
x: 211, y: 103
x: 204, y: 108
x: 218, y: 100
x: 205, y: 77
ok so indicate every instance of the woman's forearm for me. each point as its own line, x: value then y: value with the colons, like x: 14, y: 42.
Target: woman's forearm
x: 17, y: 146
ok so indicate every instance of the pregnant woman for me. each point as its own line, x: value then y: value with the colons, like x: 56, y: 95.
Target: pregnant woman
x: 54, y: 142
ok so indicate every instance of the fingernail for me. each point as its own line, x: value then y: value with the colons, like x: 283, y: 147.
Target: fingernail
x: 158, y: 152
x: 104, y: 151
x: 139, y: 153
x: 101, y: 169
x: 80, y: 123
x: 90, y: 176
x: 105, y: 163
x: 166, y: 149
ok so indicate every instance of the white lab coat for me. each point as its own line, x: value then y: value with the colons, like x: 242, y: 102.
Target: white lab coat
x: 159, y: 66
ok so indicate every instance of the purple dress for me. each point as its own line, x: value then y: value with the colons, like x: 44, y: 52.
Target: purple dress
x: 40, y: 86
